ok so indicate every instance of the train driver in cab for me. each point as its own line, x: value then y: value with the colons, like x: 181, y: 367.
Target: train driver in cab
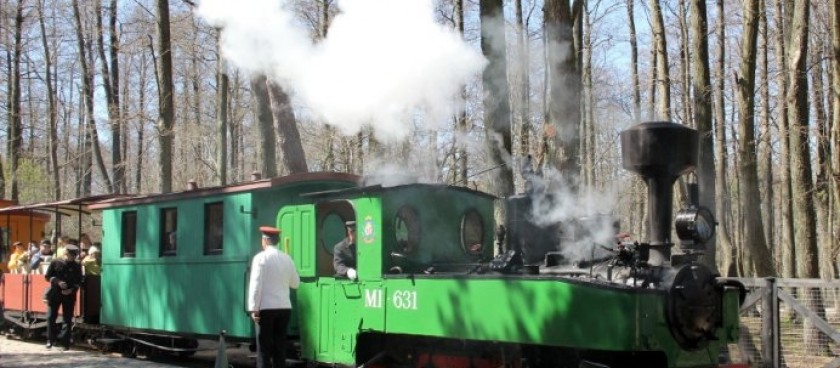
x: 344, y: 253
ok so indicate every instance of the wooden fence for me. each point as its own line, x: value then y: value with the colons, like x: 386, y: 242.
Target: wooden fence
x: 790, y: 323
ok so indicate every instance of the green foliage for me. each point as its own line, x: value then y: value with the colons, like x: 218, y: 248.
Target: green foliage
x: 33, y: 181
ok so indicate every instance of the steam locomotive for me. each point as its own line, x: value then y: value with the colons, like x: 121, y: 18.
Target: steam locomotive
x: 431, y: 290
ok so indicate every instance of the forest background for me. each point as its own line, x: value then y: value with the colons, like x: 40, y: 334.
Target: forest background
x: 140, y: 96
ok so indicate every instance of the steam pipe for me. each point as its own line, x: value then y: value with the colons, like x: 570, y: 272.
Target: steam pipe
x: 660, y: 211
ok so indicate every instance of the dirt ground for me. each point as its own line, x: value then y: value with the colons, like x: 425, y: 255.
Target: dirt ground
x: 25, y: 354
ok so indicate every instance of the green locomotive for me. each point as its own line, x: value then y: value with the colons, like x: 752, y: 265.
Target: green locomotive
x: 431, y: 289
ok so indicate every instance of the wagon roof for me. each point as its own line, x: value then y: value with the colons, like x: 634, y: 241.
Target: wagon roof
x: 226, y: 189
x: 373, y: 189
x: 66, y: 207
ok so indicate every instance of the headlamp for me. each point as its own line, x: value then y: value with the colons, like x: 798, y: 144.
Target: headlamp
x: 695, y: 224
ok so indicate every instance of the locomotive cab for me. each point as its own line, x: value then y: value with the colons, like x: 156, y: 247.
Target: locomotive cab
x: 401, y: 232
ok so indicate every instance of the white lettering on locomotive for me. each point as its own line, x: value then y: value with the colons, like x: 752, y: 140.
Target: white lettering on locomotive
x: 404, y: 299
x: 373, y: 298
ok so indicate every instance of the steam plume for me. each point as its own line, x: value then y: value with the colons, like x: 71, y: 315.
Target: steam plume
x: 382, y: 63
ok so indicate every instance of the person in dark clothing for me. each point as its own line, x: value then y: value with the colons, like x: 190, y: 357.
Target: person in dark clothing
x: 65, y: 277
x: 344, y: 253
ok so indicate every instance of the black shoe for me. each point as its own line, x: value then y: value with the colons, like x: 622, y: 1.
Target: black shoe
x: 65, y: 347
x: 49, y: 345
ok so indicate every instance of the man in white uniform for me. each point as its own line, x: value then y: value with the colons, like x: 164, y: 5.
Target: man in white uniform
x: 273, y: 273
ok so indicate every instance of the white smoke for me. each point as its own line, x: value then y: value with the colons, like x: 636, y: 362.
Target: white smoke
x: 382, y: 63
x: 586, y: 215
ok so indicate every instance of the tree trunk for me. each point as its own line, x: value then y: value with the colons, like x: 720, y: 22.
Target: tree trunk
x: 294, y: 157
x: 588, y: 101
x: 268, y: 149
x: 765, y: 150
x: 52, y: 110
x: 663, y: 78
x: 166, y: 117
x: 92, y: 135
x: 141, y: 100
x: 802, y: 187
x: 523, y: 53
x: 15, y: 133
x: 462, y: 157
x: 789, y: 256
x: 496, y: 99
x: 634, y: 63
x: 222, y: 82
x: 564, y: 88
x: 834, y: 10
x: 745, y: 85
x: 702, y: 87
x: 823, y: 151
x: 639, y: 197
x: 686, y: 51
x: 111, y: 86
x: 722, y: 204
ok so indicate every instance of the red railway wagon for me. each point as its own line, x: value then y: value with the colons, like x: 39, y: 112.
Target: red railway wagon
x: 22, y: 295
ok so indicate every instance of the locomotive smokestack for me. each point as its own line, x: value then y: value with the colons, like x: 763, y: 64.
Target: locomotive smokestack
x: 660, y: 152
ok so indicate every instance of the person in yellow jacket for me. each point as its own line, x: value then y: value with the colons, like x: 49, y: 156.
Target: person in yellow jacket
x: 19, y: 261
x: 93, y: 262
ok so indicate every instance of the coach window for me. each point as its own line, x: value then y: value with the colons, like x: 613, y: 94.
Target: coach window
x: 169, y: 231
x: 128, y: 237
x: 213, y: 228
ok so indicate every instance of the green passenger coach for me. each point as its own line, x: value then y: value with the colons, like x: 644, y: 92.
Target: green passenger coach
x: 178, y: 263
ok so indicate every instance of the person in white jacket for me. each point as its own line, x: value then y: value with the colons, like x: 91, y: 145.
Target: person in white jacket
x: 273, y: 274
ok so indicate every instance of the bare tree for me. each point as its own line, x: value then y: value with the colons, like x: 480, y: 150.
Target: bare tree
x: 15, y: 130
x: 702, y: 91
x: 294, y: 158
x: 663, y: 78
x: 765, y: 151
x: 462, y: 158
x: 166, y: 100
x: 634, y: 63
x: 523, y: 63
x: 91, y: 133
x: 802, y: 186
x: 52, y: 129
x: 564, y: 87
x: 834, y: 10
x: 745, y: 84
x: 639, y: 196
x: 686, y: 50
x: 222, y: 86
x: 722, y: 204
x: 588, y: 121
x: 496, y: 98
x: 111, y: 86
x: 789, y: 256
x: 268, y: 148
x: 821, y: 188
